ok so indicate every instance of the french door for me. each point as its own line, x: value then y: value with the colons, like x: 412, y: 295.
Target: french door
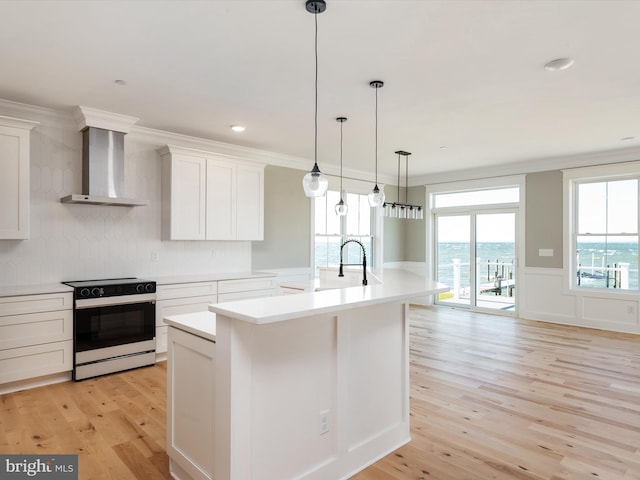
x: 475, y: 254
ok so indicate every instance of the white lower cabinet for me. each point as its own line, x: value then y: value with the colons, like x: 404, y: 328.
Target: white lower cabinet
x: 231, y: 290
x: 190, y: 405
x: 180, y: 298
x: 36, y: 336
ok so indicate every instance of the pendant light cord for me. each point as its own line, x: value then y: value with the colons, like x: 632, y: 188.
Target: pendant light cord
x: 398, y: 177
x: 315, y: 143
x: 376, y: 137
x: 406, y: 179
x: 341, y: 122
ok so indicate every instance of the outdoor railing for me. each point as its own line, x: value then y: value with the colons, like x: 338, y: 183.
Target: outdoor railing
x: 499, y: 276
x: 616, y: 276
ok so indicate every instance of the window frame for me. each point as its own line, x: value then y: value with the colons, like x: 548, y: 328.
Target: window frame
x: 572, y: 178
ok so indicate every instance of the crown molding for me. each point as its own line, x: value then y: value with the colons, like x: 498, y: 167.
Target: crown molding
x: 603, y: 157
x: 32, y: 112
x: 177, y: 140
x: 17, y: 122
x: 73, y: 117
x: 91, y: 117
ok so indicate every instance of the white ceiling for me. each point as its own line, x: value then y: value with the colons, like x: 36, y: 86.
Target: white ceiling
x: 467, y: 75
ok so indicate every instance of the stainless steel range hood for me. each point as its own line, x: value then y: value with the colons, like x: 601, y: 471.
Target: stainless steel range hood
x: 103, y: 159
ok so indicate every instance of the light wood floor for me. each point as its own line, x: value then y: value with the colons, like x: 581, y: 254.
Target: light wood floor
x: 491, y: 398
x: 498, y: 398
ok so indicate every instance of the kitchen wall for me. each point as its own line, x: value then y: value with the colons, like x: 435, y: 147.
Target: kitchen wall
x: 543, y: 219
x: 404, y: 240
x: 73, y: 242
x: 287, y: 227
x: 415, y: 230
x: 394, y: 230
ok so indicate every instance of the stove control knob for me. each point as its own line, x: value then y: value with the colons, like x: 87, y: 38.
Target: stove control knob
x: 149, y: 288
x: 85, y: 292
x: 140, y: 288
x: 97, y: 292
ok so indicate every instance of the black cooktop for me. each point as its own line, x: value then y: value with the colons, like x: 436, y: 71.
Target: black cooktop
x: 111, y: 287
x: 107, y: 282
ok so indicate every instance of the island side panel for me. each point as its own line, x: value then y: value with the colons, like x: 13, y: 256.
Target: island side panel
x: 232, y: 406
x: 374, y: 383
x: 276, y: 384
x: 294, y: 386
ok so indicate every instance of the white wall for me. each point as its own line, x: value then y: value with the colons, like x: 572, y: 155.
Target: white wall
x: 74, y: 242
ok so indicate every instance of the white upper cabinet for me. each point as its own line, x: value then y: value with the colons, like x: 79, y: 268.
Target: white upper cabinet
x: 207, y: 196
x: 221, y: 200
x: 14, y: 177
x: 250, y: 202
x: 184, y: 182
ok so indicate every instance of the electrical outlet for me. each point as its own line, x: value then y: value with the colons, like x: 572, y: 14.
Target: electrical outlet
x: 324, y: 422
x: 630, y: 309
x: 155, y: 256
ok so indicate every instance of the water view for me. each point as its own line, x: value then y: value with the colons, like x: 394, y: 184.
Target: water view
x: 595, y: 259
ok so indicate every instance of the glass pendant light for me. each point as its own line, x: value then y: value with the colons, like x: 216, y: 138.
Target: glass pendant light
x: 315, y: 183
x: 376, y: 197
x: 341, y: 207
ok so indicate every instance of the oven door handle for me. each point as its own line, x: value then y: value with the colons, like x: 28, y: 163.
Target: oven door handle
x: 118, y: 300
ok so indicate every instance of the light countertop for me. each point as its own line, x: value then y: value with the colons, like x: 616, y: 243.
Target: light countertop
x: 19, y: 290
x: 396, y: 285
x: 202, y: 324
x: 39, y: 289
x: 209, y: 277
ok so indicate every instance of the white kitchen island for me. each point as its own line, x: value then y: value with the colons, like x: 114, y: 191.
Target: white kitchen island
x: 307, y: 386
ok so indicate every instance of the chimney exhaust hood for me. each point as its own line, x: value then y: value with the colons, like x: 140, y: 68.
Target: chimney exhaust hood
x: 103, y: 159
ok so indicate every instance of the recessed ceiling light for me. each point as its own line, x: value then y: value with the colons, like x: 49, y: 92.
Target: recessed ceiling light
x: 559, y: 64
x: 120, y: 82
x: 627, y: 139
x: 238, y: 128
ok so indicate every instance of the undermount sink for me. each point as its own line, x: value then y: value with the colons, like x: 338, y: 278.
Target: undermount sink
x: 321, y: 286
x: 329, y: 279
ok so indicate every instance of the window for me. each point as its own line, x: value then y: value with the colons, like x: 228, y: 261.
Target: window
x: 606, y: 234
x: 601, y: 231
x: 331, y: 230
x: 477, y: 197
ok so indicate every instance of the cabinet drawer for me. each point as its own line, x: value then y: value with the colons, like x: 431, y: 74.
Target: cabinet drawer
x: 35, y: 303
x: 35, y: 328
x: 182, y: 290
x: 244, y: 285
x: 175, y: 306
x: 29, y: 362
x: 230, y: 297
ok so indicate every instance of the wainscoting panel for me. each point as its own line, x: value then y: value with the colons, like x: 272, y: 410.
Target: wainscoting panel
x: 544, y: 298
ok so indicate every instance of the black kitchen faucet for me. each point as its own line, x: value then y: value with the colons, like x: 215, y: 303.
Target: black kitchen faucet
x: 364, y: 261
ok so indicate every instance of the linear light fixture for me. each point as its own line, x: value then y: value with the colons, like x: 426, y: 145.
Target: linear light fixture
x: 398, y: 209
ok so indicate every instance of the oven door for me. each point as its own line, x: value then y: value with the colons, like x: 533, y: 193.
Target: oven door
x: 111, y: 321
